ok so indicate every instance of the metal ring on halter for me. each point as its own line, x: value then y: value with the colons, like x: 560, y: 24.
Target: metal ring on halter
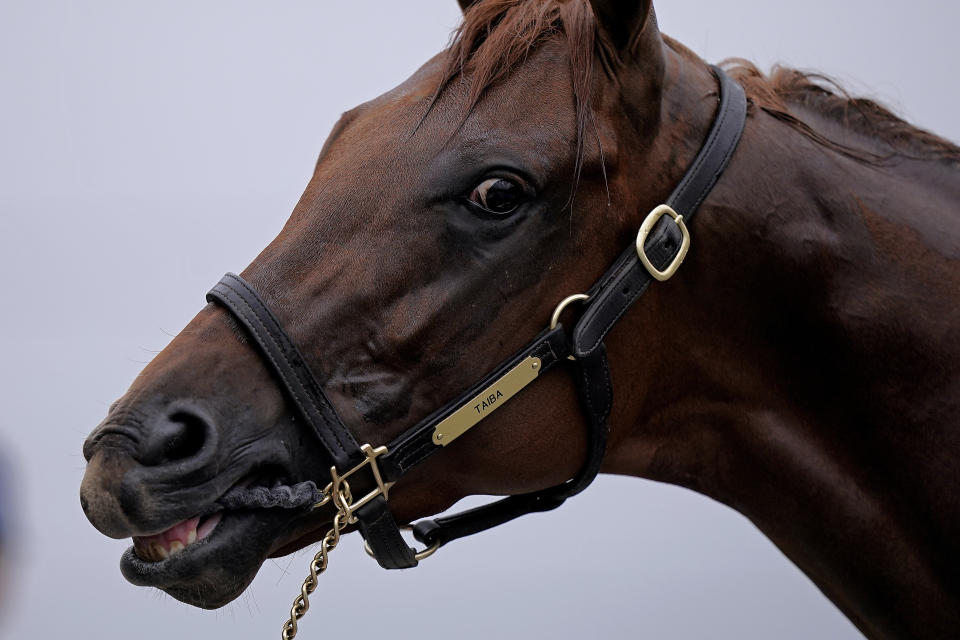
x: 419, y: 555
x: 555, y: 318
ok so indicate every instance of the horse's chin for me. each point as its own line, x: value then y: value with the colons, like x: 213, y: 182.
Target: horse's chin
x: 215, y: 570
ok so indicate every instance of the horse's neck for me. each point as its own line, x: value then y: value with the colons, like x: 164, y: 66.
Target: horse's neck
x: 809, y: 373
x: 864, y: 258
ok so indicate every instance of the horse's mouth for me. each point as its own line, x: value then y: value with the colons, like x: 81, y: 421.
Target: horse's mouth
x: 176, y: 539
x: 212, y: 570
x: 207, y: 560
x: 170, y: 558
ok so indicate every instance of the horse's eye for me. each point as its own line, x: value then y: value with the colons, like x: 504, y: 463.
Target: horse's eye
x: 497, y: 195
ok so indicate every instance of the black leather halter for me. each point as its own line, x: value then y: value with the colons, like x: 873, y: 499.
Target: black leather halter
x: 661, y: 245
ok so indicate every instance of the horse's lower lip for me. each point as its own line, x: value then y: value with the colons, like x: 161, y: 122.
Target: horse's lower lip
x: 159, y: 571
x: 212, y: 572
x: 227, y: 558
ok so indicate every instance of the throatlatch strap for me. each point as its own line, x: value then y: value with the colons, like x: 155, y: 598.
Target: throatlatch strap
x: 284, y: 358
x: 596, y: 398
x: 627, y: 279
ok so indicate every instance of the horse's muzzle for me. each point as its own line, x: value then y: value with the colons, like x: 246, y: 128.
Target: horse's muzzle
x: 149, y: 471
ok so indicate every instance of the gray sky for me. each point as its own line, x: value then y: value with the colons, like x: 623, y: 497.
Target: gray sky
x: 132, y: 131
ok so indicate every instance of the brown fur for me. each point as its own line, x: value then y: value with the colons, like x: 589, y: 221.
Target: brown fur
x: 803, y: 367
x: 497, y: 36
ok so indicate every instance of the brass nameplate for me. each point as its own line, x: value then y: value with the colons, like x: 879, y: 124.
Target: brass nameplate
x: 486, y: 402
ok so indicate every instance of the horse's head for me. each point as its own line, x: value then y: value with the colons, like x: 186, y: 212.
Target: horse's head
x: 443, y: 223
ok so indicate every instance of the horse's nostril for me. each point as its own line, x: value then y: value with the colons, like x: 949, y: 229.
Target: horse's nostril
x: 190, y: 438
x: 180, y: 436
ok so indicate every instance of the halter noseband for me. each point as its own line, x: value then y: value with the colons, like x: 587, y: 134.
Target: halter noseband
x: 662, y: 243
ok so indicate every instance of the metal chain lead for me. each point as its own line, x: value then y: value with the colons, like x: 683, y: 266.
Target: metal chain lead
x: 338, y: 492
x: 342, y: 499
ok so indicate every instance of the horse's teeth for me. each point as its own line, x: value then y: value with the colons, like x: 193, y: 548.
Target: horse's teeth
x: 161, y: 546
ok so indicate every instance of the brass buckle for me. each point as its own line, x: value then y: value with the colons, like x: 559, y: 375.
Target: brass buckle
x: 645, y: 229
x: 338, y: 491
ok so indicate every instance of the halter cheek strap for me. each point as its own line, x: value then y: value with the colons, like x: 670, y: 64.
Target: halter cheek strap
x: 361, y: 475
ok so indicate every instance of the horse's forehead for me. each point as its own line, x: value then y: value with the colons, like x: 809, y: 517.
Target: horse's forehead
x: 371, y: 135
x: 418, y: 89
x: 531, y: 104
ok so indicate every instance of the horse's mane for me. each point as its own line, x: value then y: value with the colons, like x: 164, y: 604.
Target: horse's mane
x: 784, y: 87
x: 498, y: 35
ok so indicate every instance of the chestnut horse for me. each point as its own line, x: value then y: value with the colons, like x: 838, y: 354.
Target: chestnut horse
x: 802, y: 366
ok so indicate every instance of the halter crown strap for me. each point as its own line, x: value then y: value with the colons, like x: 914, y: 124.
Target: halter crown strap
x: 628, y: 278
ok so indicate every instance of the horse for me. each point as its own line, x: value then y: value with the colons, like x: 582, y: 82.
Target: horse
x: 802, y: 364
